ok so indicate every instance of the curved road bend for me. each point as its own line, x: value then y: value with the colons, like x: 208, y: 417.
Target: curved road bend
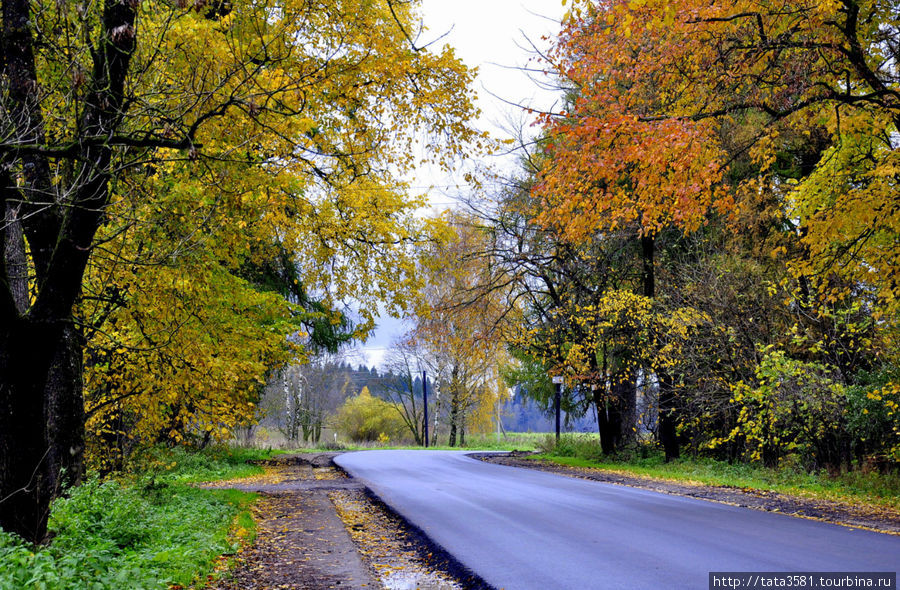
x: 521, y: 529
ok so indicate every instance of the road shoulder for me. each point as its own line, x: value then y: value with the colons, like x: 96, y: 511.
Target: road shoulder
x: 877, y: 519
x: 301, y: 542
x: 317, y: 528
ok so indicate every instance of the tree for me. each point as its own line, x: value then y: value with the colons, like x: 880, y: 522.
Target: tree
x: 403, y: 385
x: 820, y: 72
x: 458, y: 329
x: 658, y: 87
x: 304, y: 112
x: 607, y: 169
x: 553, y: 289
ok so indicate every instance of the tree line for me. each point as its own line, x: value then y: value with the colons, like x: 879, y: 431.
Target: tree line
x: 703, y: 239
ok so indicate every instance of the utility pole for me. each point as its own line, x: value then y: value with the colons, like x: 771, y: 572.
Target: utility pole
x: 558, y: 381
x: 425, y: 401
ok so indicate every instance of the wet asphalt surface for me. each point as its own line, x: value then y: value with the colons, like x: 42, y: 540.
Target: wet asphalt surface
x: 523, y: 529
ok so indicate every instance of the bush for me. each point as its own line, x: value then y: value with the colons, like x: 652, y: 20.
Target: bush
x: 147, y: 532
x: 873, y: 408
x: 797, y: 410
x: 365, y: 418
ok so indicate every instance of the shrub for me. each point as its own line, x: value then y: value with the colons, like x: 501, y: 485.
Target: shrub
x: 365, y: 418
x: 796, y: 409
x: 145, y: 532
x: 873, y: 408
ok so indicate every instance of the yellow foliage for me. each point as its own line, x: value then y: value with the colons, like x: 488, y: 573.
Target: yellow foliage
x: 460, y: 328
x: 271, y: 128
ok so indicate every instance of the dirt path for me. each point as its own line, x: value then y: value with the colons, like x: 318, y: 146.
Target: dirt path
x: 301, y: 542
x: 318, y: 529
x: 866, y: 517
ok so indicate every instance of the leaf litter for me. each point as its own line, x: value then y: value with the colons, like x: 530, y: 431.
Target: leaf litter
x: 318, y: 529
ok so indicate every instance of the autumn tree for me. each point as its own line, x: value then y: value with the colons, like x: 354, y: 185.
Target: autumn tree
x: 165, y: 118
x: 661, y: 88
x: 403, y: 384
x: 820, y: 71
x: 552, y: 283
x: 458, y: 329
x: 599, y: 177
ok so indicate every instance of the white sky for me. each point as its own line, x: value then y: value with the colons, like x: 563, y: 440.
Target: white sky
x: 495, y: 36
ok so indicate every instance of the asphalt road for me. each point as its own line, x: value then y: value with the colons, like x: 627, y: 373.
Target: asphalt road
x: 521, y: 529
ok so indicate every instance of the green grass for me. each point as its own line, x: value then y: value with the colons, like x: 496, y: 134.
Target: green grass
x: 179, y: 465
x: 873, y: 488
x: 147, y: 529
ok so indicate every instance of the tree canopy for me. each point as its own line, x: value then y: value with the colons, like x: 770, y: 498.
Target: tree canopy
x: 153, y: 155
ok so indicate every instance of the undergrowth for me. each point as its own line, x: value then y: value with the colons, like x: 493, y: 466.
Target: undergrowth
x: 144, y: 529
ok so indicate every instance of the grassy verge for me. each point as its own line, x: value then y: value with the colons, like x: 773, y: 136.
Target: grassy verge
x: 855, y: 487
x: 148, y: 529
x: 179, y: 465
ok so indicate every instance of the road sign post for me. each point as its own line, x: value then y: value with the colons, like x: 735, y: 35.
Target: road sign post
x: 425, y: 401
x: 558, y: 381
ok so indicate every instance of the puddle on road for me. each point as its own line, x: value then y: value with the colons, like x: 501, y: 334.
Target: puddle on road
x: 416, y: 581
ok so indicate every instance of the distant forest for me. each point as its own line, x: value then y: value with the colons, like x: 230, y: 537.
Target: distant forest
x: 519, y: 413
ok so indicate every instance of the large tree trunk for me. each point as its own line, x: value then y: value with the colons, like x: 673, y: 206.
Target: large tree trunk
x: 41, y: 408
x: 41, y: 423
x: 668, y: 419
x: 615, y: 415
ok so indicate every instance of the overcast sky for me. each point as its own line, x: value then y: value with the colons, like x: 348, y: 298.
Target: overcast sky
x: 495, y: 36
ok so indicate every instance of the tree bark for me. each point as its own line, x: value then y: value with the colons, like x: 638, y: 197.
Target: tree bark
x: 615, y: 413
x: 668, y: 419
x: 13, y: 254
x: 454, y: 418
x: 462, y: 429
x: 608, y: 423
x: 41, y: 422
x: 41, y: 406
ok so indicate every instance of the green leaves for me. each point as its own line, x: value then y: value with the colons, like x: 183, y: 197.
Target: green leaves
x: 110, y: 535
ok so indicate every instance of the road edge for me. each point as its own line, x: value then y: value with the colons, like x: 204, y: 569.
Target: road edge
x: 427, y: 548
x: 830, y: 511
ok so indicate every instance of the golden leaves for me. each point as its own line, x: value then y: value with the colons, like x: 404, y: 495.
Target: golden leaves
x: 617, y: 158
x: 301, y: 121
